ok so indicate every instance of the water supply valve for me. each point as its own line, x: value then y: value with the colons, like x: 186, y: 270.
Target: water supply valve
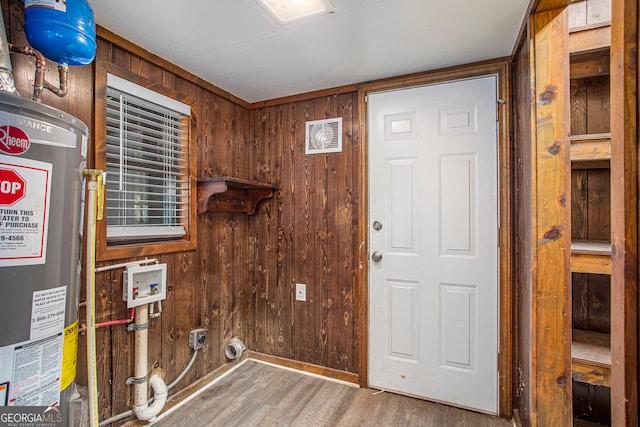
x: 144, y: 284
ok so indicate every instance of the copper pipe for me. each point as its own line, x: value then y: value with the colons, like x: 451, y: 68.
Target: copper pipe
x: 63, y: 73
x: 39, y: 81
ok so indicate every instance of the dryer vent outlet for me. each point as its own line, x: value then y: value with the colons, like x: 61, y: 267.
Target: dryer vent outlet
x: 198, y: 338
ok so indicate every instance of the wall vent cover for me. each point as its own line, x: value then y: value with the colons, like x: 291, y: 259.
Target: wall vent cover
x: 324, y: 136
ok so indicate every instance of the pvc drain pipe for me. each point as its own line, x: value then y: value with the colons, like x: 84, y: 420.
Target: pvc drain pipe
x: 234, y: 349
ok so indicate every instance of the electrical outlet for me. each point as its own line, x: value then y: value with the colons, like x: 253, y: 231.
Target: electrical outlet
x: 301, y: 292
x: 198, y: 338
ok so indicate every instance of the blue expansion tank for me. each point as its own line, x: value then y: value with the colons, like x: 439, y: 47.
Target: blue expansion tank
x: 63, y: 31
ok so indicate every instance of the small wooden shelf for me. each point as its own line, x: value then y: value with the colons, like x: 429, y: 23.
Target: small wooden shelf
x: 591, y: 148
x: 591, y: 357
x: 590, y: 257
x: 228, y: 194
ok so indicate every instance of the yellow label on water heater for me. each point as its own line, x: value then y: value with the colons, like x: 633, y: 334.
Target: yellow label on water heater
x: 69, y: 355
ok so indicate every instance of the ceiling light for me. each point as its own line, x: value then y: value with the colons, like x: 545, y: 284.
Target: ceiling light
x: 285, y: 11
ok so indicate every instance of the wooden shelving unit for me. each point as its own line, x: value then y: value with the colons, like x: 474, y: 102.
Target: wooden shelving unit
x: 589, y: 41
x: 229, y: 194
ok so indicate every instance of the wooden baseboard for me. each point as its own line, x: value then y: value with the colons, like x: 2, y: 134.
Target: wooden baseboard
x: 306, y: 367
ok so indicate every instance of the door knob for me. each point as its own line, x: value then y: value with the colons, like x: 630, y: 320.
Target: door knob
x: 377, y: 225
x: 376, y: 256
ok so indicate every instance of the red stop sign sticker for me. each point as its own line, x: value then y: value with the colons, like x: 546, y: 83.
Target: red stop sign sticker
x: 12, y: 187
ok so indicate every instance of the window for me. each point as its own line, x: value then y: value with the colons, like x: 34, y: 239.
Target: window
x: 146, y: 154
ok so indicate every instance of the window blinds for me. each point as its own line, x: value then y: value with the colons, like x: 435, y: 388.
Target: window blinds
x: 147, y: 166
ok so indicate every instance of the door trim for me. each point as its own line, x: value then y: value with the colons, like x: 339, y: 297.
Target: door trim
x: 501, y: 69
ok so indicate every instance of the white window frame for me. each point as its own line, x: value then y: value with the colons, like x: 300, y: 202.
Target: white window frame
x: 177, y: 200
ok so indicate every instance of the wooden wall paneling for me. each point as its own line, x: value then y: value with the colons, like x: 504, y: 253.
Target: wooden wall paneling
x: 258, y: 233
x: 578, y: 106
x: 580, y: 301
x: 176, y: 351
x: 279, y: 332
x: 522, y: 218
x: 591, y: 296
x: 598, y: 105
x: 323, y: 281
x: 625, y: 33
x: 164, y: 327
x: 225, y: 249
x: 226, y: 243
x: 591, y: 201
x: 592, y: 403
x: 186, y: 275
x: 551, y: 356
x: 203, y: 255
x: 342, y: 321
x: 287, y: 266
x: 247, y: 241
x: 215, y: 275
x: 104, y: 363
x: 579, y: 201
x: 284, y: 323
x: 599, y: 319
x: 205, y: 287
x: 266, y: 223
x: 355, y: 227
x: 599, y: 204
x: 121, y: 346
x: 305, y: 235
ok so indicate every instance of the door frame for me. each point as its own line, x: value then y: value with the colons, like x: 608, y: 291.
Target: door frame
x: 501, y: 69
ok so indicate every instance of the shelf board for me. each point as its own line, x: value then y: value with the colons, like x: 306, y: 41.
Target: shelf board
x: 591, y: 357
x: 590, y: 64
x: 590, y: 38
x: 590, y: 257
x: 590, y: 148
x: 228, y: 194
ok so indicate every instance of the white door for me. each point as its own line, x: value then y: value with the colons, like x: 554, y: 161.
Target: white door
x: 433, y: 210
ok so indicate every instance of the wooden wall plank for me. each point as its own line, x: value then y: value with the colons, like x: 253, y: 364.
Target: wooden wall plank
x: 598, y: 105
x: 288, y: 245
x: 550, y: 375
x: 578, y: 106
x: 522, y: 196
x: 625, y: 339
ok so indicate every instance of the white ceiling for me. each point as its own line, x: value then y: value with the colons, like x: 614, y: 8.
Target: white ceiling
x: 236, y: 45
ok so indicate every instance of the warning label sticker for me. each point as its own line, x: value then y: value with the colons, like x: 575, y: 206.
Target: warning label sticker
x: 50, y: 4
x: 25, y: 187
x: 69, y: 355
x: 47, y: 312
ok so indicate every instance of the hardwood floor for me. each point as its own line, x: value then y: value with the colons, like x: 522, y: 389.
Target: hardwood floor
x: 258, y: 394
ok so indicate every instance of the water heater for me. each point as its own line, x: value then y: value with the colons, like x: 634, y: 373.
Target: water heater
x: 42, y: 155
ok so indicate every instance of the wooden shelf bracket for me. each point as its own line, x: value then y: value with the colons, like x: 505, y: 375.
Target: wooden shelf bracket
x: 226, y: 194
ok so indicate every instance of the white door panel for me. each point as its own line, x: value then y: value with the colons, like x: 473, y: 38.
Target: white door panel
x: 434, y: 295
